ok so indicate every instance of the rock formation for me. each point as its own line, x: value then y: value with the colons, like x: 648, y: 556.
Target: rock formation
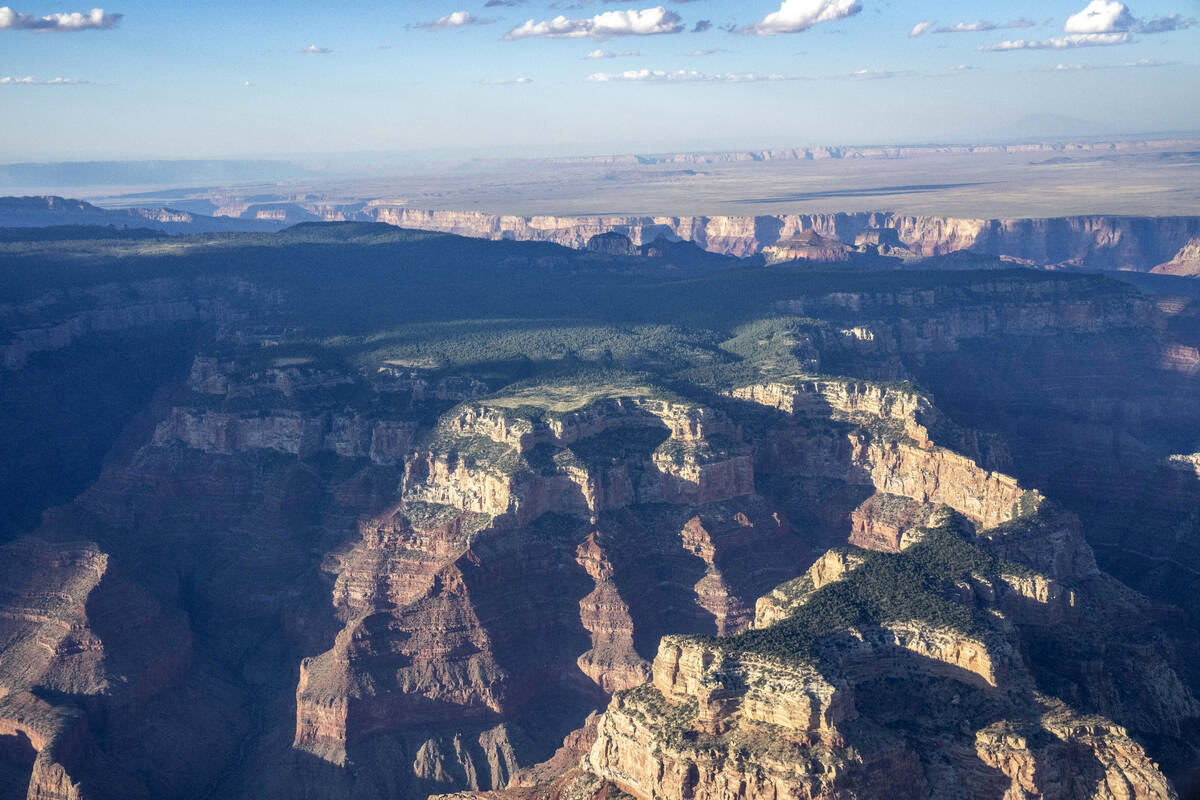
x: 1185, y: 262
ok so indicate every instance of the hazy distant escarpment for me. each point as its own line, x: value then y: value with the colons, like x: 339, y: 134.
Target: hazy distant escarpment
x: 1104, y: 242
x: 1096, y: 241
x: 48, y: 210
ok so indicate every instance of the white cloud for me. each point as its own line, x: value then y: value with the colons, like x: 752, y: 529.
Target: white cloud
x: 920, y: 28
x: 698, y: 53
x: 980, y: 25
x: 794, y: 16
x: 29, y: 80
x: 1141, y: 62
x: 646, y: 22
x: 458, y: 19
x: 95, y: 19
x: 1101, y: 23
x: 1060, y: 42
x: 313, y: 50
x: 875, y: 74
x: 682, y: 76
x: 1100, y: 16
x: 968, y: 27
x: 508, y: 82
x: 1110, y: 16
x: 599, y: 54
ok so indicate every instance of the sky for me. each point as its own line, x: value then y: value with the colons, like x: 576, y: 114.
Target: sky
x: 267, y: 78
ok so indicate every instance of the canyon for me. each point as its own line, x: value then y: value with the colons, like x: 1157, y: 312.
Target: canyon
x: 510, y: 519
x: 1165, y: 245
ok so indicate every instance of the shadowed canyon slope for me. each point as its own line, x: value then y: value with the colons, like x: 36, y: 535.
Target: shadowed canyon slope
x: 391, y: 513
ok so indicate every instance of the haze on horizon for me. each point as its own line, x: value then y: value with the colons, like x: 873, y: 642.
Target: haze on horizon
x: 529, y: 77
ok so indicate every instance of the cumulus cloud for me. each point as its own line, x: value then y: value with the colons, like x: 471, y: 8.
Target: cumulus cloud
x: 647, y: 22
x: 920, y: 28
x: 458, y: 19
x: 96, y: 19
x: 1101, y: 23
x: 599, y: 54
x: 1111, y: 16
x: 313, y: 50
x: 702, y: 25
x: 683, y: 76
x: 794, y: 16
x: 29, y: 80
x: 1060, y: 42
x: 980, y: 25
x: 1101, y: 16
x: 508, y: 82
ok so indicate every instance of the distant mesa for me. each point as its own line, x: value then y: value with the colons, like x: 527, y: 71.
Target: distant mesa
x: 809, y: 246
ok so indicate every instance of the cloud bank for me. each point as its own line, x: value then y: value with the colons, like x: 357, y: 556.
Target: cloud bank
x: 96, y: 19
x: 647, y: 22
x: 795, y: 16
x: 1141, y: 62
x: 1060, y: 42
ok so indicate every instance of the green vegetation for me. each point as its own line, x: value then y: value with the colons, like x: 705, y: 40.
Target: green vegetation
x: 914, y: 585
x: 475, y: 452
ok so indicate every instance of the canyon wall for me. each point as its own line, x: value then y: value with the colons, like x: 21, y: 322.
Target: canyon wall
x: 1094, y: 242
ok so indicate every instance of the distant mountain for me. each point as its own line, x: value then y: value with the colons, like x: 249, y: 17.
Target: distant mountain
x: 37, y: 212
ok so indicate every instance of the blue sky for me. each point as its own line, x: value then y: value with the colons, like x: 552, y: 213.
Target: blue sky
x: 170, y: 79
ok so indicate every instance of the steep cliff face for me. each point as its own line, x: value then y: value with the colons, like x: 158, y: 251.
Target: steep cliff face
x: 87, y: 652
x: 515, y: 574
